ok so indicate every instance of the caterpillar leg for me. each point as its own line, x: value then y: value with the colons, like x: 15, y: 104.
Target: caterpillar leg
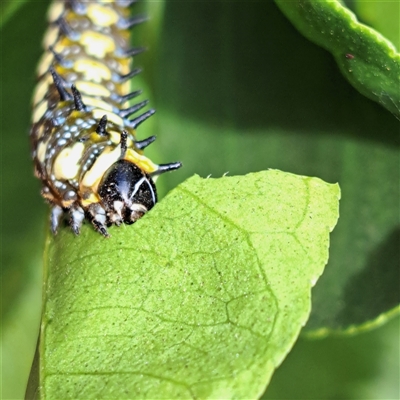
x: 98, y: 218
x: 55, y: 218
x: 77, y: 215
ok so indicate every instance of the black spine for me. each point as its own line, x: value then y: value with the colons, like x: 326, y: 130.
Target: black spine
x: 123, y: 99
x: 134, y: 123
x: 131, y: 110
x: 124, y: 78
x: 142, y: 144
x: 124, y: 137
x: 101, y: 128
x: 78, y: 99
x: 166, y: 167
x: 134, y: 51
x: 128, y: 23
x: 64, y: 95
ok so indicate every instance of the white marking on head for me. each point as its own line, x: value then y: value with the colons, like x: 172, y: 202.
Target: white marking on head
x: 137, y: 211
x: 138, y: 208
x: 137, y: 186
x: 118, y: 206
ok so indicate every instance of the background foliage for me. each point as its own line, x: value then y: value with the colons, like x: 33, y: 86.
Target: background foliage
x: 237, y: 89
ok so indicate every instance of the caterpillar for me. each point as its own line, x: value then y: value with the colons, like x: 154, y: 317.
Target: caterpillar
x: 83, y: 142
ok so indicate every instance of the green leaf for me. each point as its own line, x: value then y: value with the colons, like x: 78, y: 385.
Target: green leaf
x: 237, y: 88
x: 346, y: 367
x: 259, y: 96
x: 19, y: 330
x: 23, y: 213
x: 382, y: 15
x: 368, y: 60
x: 8, y: 8
x: 203, y: 297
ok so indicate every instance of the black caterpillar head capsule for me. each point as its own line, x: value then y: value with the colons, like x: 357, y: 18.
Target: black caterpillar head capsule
x: 126, y: 192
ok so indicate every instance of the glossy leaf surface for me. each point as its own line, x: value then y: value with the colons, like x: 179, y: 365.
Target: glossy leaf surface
x: 366, y: 58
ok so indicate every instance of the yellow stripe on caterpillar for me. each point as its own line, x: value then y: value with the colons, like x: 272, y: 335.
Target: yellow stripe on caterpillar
x: 41, y: 150
x: 101, y: 15
x: 104, y: 161
x: 93, y: 89
x: 97, y: 44
x: 39, y: 111
x: 66, y: 165
x: 41, y: 89
x: 92, y: 70
x: 98, y: 113
x: 141, y: 161
x: 44, y: 63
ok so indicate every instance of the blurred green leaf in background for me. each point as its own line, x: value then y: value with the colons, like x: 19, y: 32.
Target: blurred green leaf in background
x: 239, y: 89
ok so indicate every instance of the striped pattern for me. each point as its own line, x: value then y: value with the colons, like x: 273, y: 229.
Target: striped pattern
x: 81, y: 121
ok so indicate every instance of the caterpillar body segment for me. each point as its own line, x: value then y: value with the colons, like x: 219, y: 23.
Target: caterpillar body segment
x: 83, y: 135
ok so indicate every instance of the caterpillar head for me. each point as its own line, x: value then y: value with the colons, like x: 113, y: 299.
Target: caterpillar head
x: 126, y: 192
